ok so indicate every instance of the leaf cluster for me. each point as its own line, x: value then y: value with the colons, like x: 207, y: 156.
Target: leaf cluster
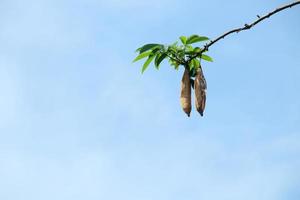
x: 182, y: 54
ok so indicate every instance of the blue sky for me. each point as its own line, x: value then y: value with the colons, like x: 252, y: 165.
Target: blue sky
x: 79, y: 121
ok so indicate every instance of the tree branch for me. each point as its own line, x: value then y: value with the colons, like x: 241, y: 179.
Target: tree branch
x: 174, y: 58
x: 245, y: 27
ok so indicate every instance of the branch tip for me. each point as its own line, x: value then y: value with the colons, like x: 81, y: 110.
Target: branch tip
x: 246, y: 26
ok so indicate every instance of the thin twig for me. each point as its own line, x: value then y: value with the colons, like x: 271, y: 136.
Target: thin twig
x: 245, y: 27
x: 174, y: 58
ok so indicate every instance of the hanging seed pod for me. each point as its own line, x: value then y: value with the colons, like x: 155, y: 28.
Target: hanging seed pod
x: 200, y: 91
x: 185, y: 96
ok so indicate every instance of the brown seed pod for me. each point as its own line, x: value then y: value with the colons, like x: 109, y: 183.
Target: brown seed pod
x: 200, y: 91
x: 185, y: 96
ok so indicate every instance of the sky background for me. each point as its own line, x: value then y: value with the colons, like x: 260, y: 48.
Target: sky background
x: 78, y: 121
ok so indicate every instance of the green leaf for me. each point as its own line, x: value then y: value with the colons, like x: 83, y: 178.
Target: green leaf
x: 183, y: 39
x: 173, y: 47
x: 174, y: 63
x: 191, y: 66
x: 155, y: 60
x: 159, y: 58
x: 172, y: 51
x: 148, y: 47
x: 192, y: 72
x: 155, y: 51
x: 197, y: 50
x: 176, y: 66
x: 148, y: 61
x: 189, y: 47
x: 174, y: 44
x: 138, y: 50
x: 196, y: 64
x: 207, y: 58
x: 196, y: 38
x: 142, y: 55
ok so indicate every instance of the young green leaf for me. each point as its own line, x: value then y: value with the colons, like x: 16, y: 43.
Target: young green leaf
x: 196, y: 38
x: 172, y: 50
x: 183, y: 39
x: 197, y: 50
x: 148, y: 61
x: 155, y: 51
x: 142, y: 55
x: 159, y: 58
x: 155, y: 60
x: 148, y: 47
x: 174, y: 63
x: 196, y: 63
x: 207, y: 58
